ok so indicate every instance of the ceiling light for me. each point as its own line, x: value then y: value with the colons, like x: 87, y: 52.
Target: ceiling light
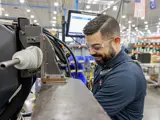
x: 2, y: 9
x: 28, y: 10
x: 111, y: 2
x: 21, y: 1
x: 133, y: 25
x: 129, y: 22
x: 55, y: 12
x: 149, y: 31
x: 115, y: 8
x: 145, y: 22
x: 109, y: 6
x: 136, y: 28
x: 88, y: 6
x: 159, y: 23
x: 104, y: 13
x: 142, y: 18
x: 6, y: 15
x: 54, y: 22
x: 157, y: 26
x: 123, y: 16
x: 53, y: 25
x: 146, y: 26
x: 35, y: 21
x: 56, y: 4
x: 124, y: 27
x: 54, y: 18
x: 32, y: 16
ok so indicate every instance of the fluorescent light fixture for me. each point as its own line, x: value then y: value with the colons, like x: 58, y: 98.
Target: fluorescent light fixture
x: 157, y: 26
x: 115, y: 8
x: 88, y: 6
x: 109, y: 6
x: 6, y: 14
x: 35, y: 21
x: 28, y: 10
x: 56, y: 4
x: 123, y: 16
x: 145, y: 22
x: 21, y: 1
x: 146, y: 26
x: 159, y: 23
x: 104, y: 13
x: 133, y: 25
x: 136, y: 28
x: 53, y: 25
x: 32, y: 16
x: 129, y: 22
x: 142, y: 18
x: 54, y: 18
x: 55, y: 12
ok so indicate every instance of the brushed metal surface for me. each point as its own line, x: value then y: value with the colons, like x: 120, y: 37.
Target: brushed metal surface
x: 67, y: 101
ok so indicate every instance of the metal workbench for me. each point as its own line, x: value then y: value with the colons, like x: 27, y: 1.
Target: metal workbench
x: 67, y: 101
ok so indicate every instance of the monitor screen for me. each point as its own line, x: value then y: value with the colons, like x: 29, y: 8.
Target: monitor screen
x: 76, y: 22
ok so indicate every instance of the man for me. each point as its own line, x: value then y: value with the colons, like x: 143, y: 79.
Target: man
x: 119, y: 84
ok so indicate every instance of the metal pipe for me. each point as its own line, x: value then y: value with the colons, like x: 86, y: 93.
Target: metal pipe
x: 9, y: 63
x: 110, y: 6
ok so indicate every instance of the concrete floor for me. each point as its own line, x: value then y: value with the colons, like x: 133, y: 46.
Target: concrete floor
x: 152, y: 104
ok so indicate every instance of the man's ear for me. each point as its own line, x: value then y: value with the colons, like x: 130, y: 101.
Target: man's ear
x: 117, y: 40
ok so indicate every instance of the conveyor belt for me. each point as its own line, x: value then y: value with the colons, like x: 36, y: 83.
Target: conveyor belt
x: 67, y: 101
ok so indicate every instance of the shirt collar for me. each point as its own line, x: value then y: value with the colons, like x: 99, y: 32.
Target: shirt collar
x: 120, y: 57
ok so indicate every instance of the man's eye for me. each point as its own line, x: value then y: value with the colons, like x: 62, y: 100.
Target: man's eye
x: 97, y: 47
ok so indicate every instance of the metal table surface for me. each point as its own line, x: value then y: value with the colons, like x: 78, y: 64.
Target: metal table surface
x: 67, y: 101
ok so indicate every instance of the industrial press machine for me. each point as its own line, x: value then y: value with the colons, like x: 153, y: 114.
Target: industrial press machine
x: 29, y: 52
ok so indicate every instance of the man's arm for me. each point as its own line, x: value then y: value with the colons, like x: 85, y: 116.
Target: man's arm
x: 117, y: 92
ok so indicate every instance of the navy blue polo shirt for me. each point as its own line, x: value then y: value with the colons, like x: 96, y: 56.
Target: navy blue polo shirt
x: 120, y: 87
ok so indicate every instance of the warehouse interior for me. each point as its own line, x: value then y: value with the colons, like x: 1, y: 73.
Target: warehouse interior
x: 59, y: 85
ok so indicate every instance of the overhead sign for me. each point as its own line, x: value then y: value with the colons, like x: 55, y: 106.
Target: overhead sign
x: 153, y: 4
x: 138, y: 1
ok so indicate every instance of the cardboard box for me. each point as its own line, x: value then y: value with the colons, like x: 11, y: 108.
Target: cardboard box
x: 155, y: 59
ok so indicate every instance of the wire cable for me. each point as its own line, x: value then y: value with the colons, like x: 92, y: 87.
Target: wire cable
x: 58, y: 40
x: 76, y: 41
x: 119, y: 9
x: 62, y: 53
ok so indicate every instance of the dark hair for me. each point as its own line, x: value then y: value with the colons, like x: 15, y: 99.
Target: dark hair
x: 107, y: 25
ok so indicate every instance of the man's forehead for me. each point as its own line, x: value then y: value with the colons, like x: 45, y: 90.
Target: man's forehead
x: 94, y: 38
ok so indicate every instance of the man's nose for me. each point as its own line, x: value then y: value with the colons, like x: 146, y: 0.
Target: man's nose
x: 91, y: 52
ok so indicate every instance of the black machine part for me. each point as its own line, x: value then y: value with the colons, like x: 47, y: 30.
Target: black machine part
x: 8, y: 77
x: 11, y: 100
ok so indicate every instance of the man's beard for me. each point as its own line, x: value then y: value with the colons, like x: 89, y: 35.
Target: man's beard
x: 105, y: 58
